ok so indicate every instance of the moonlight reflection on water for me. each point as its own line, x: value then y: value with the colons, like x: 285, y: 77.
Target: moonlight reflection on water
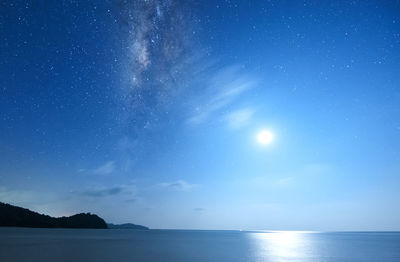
x: 283, y: 245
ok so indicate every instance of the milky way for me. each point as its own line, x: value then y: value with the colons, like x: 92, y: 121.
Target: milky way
x: 158, y: 37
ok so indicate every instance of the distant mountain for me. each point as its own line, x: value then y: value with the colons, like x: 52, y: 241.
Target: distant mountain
x: 13, y: 216
x: 127, y: 226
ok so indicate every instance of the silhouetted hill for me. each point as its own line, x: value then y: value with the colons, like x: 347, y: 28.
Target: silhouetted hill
x: 127, y: 226
x: 13, y: 216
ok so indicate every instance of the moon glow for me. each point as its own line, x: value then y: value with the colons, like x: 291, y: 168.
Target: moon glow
x: 265, y: 137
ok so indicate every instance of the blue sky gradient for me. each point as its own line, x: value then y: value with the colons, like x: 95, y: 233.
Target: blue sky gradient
x: 148, y: 112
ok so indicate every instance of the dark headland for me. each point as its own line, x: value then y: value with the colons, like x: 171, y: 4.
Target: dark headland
x: 13, y: 216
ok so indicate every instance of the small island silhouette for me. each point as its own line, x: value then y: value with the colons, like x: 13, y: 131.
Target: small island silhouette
x: 13, y: 216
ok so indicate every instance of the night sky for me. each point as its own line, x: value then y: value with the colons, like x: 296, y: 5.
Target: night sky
x: 150, y: 112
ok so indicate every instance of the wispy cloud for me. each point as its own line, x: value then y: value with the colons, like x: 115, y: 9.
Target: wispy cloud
x: 131, y: 200
x: 179, y: 185
x: 129, y: 190
x: 166, y: 69
x: 102, y: 192
x: 285, y: 181
x: 239, y: 118
x: 222, y: 90
x: 106, y: 168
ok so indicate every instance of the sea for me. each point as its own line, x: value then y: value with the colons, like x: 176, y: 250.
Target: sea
x: 97, y: 245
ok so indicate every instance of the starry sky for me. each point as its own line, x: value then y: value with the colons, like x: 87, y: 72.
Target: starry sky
x: 147, y: 111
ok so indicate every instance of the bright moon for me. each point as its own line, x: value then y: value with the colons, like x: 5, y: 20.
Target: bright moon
x: 265, y: 137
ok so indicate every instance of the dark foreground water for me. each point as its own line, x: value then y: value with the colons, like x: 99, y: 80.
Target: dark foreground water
x: 19, y: 244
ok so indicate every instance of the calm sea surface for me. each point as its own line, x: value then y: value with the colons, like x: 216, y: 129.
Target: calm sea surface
x: 19, y: 244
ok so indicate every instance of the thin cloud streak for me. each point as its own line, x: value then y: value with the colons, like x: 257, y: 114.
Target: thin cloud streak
x: 114, y: 190
x: 224, y: 88
x: 179, y: 185
x: 105, y: 169
x: 239, y: 118
x: 103, y: 192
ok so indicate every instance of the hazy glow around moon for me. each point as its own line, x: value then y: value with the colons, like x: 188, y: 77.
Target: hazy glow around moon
x: 265, y: 137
